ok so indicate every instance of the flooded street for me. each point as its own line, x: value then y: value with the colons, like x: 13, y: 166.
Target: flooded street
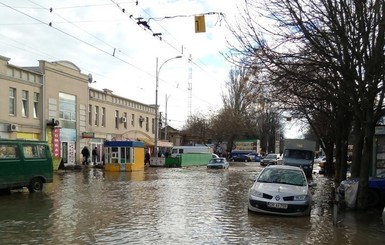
x: 171, y: 206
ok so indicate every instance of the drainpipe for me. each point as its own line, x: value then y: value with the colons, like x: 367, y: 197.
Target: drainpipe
x: 43, y: 114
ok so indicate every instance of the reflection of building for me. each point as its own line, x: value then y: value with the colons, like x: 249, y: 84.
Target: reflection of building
x: 53, y: 102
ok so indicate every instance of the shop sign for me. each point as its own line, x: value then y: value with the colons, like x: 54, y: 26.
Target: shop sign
x: 88, y: 135
x: 56, y: 141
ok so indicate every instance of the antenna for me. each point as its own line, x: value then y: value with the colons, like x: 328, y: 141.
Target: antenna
x: 90, y: 79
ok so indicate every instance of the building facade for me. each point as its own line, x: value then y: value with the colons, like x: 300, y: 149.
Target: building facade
x: 53, y: 102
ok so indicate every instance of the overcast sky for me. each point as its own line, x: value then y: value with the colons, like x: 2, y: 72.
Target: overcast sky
x: 102, y: 38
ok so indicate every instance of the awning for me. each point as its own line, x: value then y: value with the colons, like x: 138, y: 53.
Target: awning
x: 148, y: 142
x: 165, y: 144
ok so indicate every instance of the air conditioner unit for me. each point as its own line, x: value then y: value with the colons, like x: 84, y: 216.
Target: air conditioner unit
x: 123, y: 119
x: 13, y: 127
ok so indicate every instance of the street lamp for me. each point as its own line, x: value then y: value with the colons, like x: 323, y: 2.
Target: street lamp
x: 156, y: 103
x: 165, y: 121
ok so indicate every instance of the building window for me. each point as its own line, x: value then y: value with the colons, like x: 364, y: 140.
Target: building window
x: 96, y: 115
x: 90, y: 115
x: 67, y: 107
x: 147, y: 125
x: 125, y: 120
x: 24, y: 103
x: 103, y: 116
x: 116, y: 119
x: 12, y: 101
x: 133, y: 120
x: 35, y: 105
x: 153, y: 125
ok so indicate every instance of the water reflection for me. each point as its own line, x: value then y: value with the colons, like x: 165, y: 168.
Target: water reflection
x: 270, y: 229
x: 25, y: 218
x: 170, y: 206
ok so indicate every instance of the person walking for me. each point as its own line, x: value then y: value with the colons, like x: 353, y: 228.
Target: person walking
x: 86, y: 154
x: 147, y: 158
x: 94, y: 155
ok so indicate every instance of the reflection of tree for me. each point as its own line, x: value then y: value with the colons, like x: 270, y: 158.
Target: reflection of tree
x: 8, y: 151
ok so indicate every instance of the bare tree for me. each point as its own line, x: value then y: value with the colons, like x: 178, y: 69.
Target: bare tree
x: 197, y: 126
x: 238, y: 102
x: 325, y: 56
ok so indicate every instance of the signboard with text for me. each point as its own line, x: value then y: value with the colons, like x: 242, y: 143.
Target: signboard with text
x: 56, y: 142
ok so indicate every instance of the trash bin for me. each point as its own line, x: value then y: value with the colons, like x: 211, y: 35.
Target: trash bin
x: 347, y: 192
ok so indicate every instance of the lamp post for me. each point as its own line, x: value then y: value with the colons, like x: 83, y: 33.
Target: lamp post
x: 156, y: 104
x: 165, y: 121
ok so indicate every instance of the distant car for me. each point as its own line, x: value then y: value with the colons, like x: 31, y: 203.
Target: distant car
x: 253, y: 157
x: 240, y: 156
x: 320, y: 161
x: 281, y: 189
x: 218, y: 163
x: 270, y: 159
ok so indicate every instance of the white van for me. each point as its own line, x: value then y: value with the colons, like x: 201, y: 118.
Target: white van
x: 178, y: 150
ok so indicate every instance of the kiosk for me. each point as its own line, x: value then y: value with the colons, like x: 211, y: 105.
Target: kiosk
x: 123, y: 156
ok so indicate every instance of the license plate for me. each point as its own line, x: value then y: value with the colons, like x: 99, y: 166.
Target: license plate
x: 277, y: 205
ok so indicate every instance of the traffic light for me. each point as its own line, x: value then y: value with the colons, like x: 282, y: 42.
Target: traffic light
x: 200, y: 25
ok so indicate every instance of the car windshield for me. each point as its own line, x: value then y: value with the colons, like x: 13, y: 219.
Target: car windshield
x: 271, y: 156
x: 282, y: 176
x: 216, y: 160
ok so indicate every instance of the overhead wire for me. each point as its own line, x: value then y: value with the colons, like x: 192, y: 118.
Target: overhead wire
x: 78, y: 39
x: 100, y: 49
x: 221, y: 16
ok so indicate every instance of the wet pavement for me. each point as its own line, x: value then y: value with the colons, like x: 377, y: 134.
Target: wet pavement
x: 172, y: 206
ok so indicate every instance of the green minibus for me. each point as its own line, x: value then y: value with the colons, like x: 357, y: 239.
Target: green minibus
x: 25, y: 163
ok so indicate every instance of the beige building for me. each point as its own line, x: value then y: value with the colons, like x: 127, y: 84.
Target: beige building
x: 48, y: 102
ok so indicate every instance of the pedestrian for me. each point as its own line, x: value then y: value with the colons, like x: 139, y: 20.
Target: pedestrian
x: 94, y: 155
x: 167, y: 154
x: 86, y: 154
x: 147, y: 158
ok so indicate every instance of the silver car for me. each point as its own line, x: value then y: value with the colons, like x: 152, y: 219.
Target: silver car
x: 281, y: 190
x: 218, y: 163
x: 270, y: 159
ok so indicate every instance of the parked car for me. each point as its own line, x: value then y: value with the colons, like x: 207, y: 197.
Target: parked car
x: 281, y: 189
x: 218, y: 163
x: 244, y: 156
x: 270, y: 159
x: 240, y: 156
x: 253, y: 157
x: 320, y: 161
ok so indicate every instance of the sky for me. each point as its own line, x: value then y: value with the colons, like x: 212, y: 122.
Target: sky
x: 103, y: 38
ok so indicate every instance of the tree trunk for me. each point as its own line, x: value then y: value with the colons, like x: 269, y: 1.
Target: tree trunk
x: 329, y: 166
x: 358, y: 145
x: 365, y: 165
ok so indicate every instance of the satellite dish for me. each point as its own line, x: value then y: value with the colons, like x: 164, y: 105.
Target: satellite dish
x: 90, y: 79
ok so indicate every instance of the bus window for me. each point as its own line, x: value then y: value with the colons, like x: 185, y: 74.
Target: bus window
x: 34, y: 151
x: 8, y: 152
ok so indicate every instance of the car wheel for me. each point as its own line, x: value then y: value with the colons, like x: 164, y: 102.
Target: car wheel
x: 36, y: 185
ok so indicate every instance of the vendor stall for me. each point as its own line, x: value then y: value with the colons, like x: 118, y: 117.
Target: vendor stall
x: 124, y: 156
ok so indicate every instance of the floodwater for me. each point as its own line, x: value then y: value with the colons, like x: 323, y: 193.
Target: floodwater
x: 172, y: 206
